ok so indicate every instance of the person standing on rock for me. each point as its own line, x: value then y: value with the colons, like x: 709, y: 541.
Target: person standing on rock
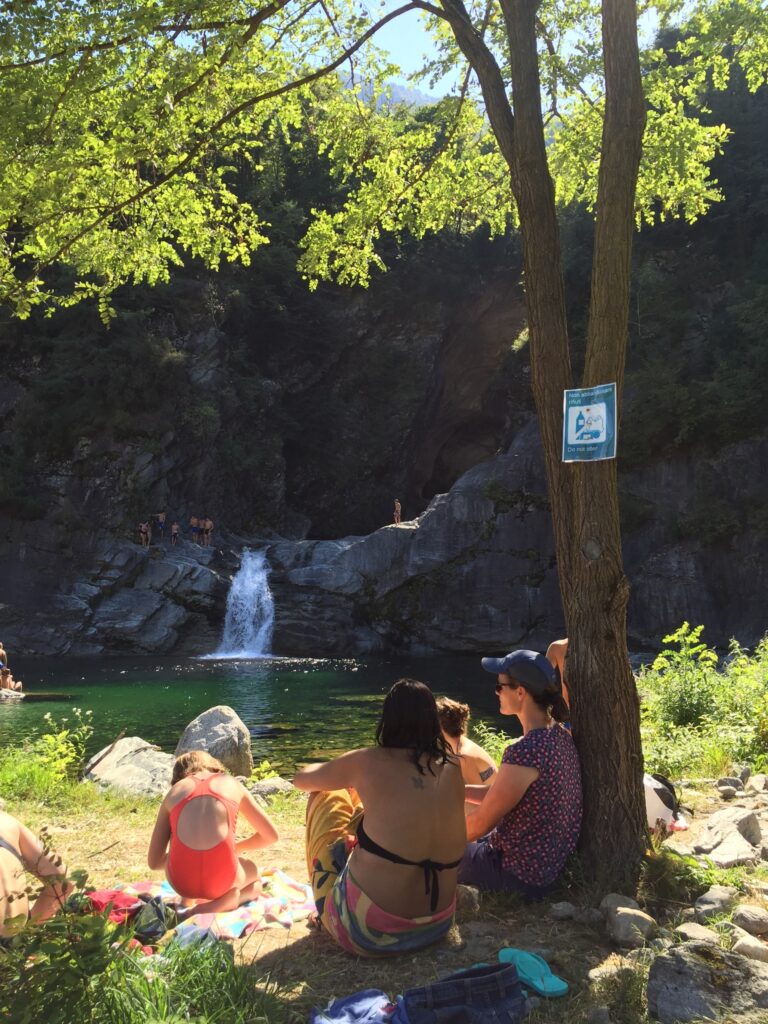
x: 3, y: 656
x: 208, y: 530
x: 194, y: 528
x: 194, y: 841
x: 144, y: 533
x: 175, y: 530
x: 398, y: 510
x: 160, y: 518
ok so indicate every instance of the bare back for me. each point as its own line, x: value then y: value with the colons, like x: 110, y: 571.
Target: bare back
x: 416, y: 816
x: 204, y: 822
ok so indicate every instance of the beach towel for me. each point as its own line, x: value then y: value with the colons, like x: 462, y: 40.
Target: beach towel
x: 283, y: 901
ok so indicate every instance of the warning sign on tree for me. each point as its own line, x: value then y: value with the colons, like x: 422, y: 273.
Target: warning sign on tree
x: 589, y: 424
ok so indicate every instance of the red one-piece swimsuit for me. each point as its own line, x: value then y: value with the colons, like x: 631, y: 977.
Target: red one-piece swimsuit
x: 203, y: 874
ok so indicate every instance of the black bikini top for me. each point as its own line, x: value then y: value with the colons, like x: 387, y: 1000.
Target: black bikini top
x: 430, y: 867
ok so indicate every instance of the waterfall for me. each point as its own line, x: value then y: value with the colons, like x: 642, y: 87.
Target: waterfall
x: 250, y: 611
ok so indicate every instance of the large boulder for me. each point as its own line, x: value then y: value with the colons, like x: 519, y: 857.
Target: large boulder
x: 132, y: 765
x: 699, y: 981
x: 224, y: 735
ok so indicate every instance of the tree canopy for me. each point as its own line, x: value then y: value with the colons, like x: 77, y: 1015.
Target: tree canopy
x: 124, y: 124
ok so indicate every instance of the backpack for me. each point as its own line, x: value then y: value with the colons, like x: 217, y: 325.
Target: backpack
x: 153, y: 920
x: 662, y: 804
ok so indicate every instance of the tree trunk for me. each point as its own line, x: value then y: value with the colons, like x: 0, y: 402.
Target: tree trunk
x: 584, y: 497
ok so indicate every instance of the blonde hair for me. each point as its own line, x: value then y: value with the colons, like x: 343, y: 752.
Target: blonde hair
x: 195, y: 761
x: 453, y: 716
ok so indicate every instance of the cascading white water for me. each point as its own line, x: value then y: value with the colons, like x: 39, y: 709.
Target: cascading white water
x: 250, y: 611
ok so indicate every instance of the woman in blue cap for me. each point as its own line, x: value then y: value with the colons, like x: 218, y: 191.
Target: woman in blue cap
x: 525, y: 826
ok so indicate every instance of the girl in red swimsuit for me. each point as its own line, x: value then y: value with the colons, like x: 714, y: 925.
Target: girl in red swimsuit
x: 194, y: 842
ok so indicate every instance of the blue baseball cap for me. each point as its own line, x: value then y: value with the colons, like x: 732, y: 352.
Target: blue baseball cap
x: 530, y: 669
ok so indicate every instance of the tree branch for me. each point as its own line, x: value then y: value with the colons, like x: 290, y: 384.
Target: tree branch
x: 211, y: 131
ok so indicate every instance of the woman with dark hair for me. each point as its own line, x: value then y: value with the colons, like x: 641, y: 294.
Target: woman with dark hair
x: 525, y: 826
x: 391, y: 887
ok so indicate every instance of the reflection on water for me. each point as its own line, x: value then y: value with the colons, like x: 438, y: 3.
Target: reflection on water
x: 297, y: 709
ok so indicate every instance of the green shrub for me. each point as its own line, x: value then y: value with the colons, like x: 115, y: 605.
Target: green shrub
x: 78, y: 968
x: 493, y: 740
x: 45, y: 768
x: 700, y: 718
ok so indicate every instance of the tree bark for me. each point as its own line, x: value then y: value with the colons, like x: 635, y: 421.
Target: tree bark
x: 584, y: 497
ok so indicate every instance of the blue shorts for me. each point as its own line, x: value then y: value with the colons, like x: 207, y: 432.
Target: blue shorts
x: 481, y: 866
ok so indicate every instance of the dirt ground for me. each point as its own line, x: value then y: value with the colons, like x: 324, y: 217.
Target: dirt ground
x: 110, y: 842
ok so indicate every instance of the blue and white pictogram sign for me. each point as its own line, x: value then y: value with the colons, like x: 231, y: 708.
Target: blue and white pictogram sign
x: 589, y: 424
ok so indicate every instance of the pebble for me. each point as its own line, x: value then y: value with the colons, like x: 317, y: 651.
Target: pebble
x: 562, y: 911
x: 599, y: 1015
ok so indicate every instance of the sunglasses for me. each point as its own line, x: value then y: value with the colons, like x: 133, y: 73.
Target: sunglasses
x: 500, y: 686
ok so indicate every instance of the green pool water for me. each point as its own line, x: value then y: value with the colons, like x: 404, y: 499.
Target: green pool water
x: 297, y: 709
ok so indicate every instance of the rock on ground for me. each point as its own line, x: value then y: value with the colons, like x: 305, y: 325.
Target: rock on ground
x: 698, y: 980
x: 751, y: 918
x: 751, y: 947
x: 268, y: 787
x: 725, y: 823
x: 717, y: 900
x: 614, y: 900
x: 221, y: 732
x: 132, y: 765
x: 630, y: 928
x: 733, y: 851
x: 692, y: 932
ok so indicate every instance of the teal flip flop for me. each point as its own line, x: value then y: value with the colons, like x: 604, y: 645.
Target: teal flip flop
x: 534, y: 972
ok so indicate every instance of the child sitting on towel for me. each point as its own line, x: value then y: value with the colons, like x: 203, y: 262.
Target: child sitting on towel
x: 194, y: 842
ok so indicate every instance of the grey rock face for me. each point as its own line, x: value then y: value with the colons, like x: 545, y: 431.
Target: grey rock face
x: 697, y: 980
x: 717, y: 900
x: 134, y: 766
x: 221, y: 732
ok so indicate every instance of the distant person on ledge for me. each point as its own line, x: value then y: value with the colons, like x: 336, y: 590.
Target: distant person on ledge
x: 386, y: 883
x: 526, y: 825
x: 7, y: 682
x: 398, y: 510
x: 194, y: 840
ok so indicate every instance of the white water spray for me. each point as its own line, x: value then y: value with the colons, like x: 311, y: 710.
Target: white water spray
x: 250, y: 611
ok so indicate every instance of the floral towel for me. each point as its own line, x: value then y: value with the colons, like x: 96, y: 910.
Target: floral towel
x: 284, y: 901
